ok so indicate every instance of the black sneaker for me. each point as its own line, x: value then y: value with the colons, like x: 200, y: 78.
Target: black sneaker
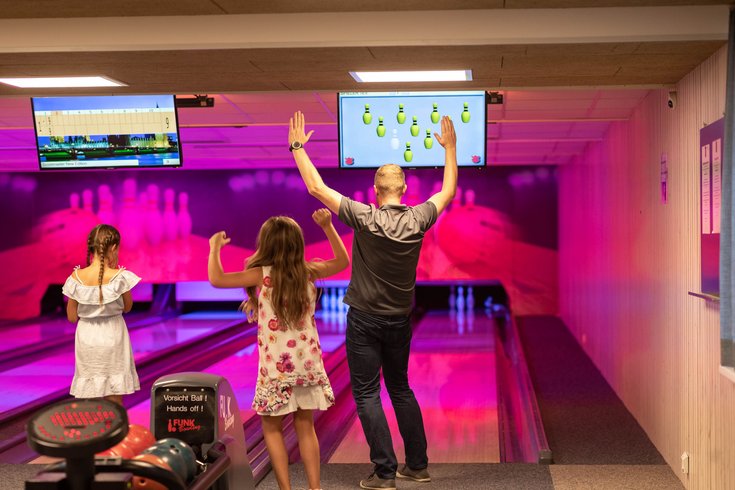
x: 415, y: 475
x: 374, y: 481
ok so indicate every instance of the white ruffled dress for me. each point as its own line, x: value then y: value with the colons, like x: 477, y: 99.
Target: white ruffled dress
x: 104, y: 362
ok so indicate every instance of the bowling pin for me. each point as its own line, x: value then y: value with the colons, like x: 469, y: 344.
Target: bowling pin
x: 153, y: 217
x: 460, y: 298
x: 105, y: 212
x: 340, y: 300
x: 412, y: 190
x: 367, y: 118
x: 470, y: 299
x: 395, y: 143
x: 333, y: 300
x: 428, y: 141
x: 183, y: 218
x: 130, y: 218
x: 408, y: 154
x: 452, y: 298
x: 401, y: 116
x: 371, y: 195
x: 415, y: 127
x: 74, y: 201
x: 469, y: 198
x: 380, y: 130
x: 170, y: 228
x: 325, y: 299
x: 466, y: 113
x: 435, y: 114
x: 87, y: 197
x: 457, y: 201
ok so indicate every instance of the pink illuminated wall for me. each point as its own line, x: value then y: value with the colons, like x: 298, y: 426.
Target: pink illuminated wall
x: 627, y: 263
x: 501, y: 226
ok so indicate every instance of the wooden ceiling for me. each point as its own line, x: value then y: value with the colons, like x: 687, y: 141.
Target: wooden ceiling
x: 568, y: 68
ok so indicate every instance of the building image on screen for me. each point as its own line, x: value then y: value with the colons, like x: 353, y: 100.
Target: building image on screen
x: 398, y: 127
x: 106, y: 131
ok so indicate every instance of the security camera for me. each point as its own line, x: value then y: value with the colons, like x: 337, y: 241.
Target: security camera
x: 672, y: 100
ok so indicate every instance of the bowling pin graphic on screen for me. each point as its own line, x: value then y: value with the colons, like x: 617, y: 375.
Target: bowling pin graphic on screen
x: 367, y: 118
x: 415, y: 127
x: 435, y: 113
x: 395, y: 143
x: 380, y: 130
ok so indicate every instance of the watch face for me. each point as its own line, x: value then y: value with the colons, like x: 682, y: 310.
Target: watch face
x: 296, y: 145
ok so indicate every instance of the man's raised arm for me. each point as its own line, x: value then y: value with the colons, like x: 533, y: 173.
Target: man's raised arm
x: 297, y: 139
x: 448, y: 140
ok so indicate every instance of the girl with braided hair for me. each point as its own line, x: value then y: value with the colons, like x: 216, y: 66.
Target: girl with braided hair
x: 98, y: 296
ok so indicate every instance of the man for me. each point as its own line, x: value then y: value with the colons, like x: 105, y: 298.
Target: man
x: 385, y: 253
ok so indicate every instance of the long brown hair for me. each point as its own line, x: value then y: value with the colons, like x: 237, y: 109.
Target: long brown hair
x: 99, y: 242
x: 281, y: 245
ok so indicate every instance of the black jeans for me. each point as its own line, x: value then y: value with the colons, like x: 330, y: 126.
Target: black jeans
x: 375, y: 342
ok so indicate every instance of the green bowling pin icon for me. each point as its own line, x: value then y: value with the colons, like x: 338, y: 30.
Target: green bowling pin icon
x: 466, y: 113
x: 435, y: 114
x: 408, y: 154
x: 428, y: 141
x: 401, y: 116
x: 414, y: 127
x: 367, y: 118
x: 380, y: 129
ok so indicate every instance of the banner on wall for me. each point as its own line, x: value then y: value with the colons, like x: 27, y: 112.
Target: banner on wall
x: 710, y: 151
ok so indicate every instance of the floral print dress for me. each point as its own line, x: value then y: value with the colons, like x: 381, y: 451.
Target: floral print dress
x: 291, y: 371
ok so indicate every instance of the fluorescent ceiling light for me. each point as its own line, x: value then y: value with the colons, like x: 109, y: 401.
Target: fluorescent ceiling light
x: 412, y: 76
x: 61, y: 82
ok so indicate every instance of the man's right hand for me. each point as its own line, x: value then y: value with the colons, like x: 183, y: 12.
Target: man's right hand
x: 448, y: 139
x: 296, y: 131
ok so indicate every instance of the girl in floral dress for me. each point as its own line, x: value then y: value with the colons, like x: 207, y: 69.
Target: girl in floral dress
x: 291, y: 375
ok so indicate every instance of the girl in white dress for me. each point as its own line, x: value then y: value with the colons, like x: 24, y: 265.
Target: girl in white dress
x: 291, y: 375
x: 98, y: 296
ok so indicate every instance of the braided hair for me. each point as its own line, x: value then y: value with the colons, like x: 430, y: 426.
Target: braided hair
x: 99, y: 242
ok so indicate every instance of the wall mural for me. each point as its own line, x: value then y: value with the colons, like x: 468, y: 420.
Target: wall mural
x: 501, y: 226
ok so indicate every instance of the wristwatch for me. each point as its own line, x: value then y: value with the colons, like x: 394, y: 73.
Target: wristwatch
x: 296, y: 145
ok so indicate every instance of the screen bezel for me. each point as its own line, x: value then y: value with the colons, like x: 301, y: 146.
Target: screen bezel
x: 106, y: 167
x: 412, y: 92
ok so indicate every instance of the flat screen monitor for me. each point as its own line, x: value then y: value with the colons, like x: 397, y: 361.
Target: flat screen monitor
x: 106, y: 131
x: 376, y: 128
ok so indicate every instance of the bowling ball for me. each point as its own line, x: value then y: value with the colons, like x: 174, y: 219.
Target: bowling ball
x: 139, y: 438
x: 172, y: 457
x: 141, y: 483
x: 120, y: 449
x: 186, y: 450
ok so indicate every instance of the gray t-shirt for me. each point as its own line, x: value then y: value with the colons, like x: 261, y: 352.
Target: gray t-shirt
x: 385, y: 253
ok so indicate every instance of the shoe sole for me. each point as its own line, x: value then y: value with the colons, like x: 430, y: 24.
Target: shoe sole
x: 377, y: 488
x: 406, y: 477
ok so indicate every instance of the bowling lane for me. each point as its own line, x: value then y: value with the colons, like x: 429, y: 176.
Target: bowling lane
x: 40, y: 378
x: 241, y: 368
x: 37, y: 331
x: 452, y: 373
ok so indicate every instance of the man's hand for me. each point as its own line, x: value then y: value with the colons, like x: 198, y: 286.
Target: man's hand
x: 322, y: 217
x: 218, y: 240
x: 296, y: 130
x: 448, y: 139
